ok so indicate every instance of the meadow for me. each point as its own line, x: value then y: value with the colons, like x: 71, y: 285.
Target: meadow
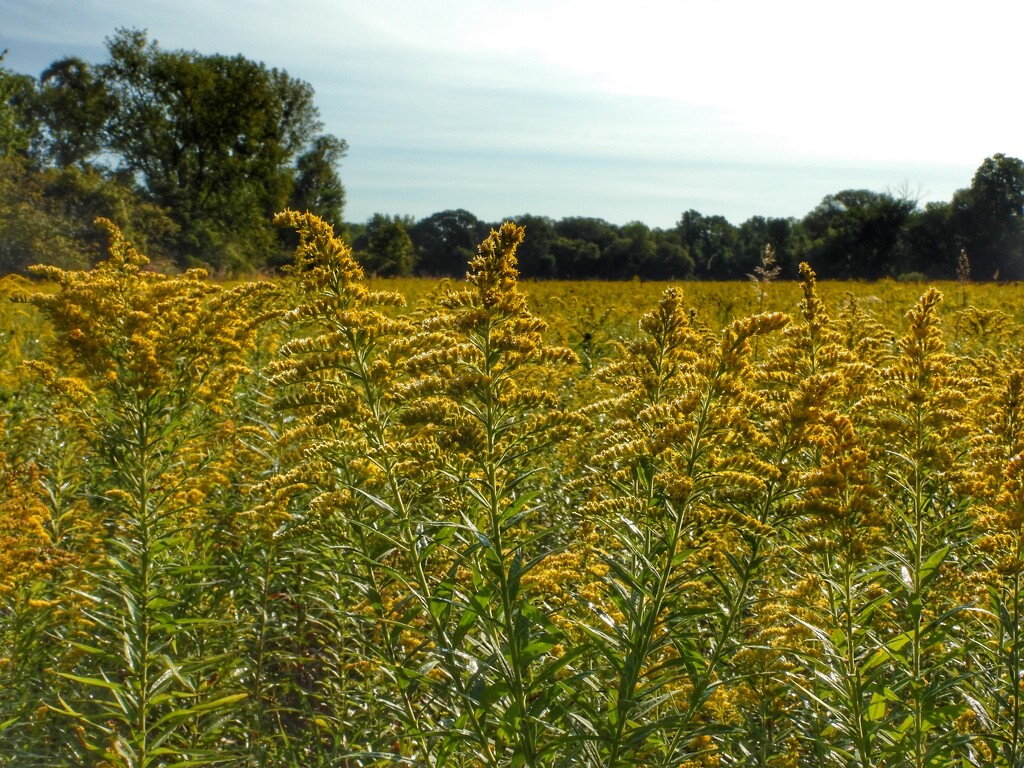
x: 332, y: 521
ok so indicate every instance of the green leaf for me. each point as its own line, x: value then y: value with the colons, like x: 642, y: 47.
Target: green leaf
x: 96, y: 682
x: 929, y: 569
x: 876, y: 709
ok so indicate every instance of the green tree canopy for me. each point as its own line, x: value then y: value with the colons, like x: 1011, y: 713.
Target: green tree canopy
x: 71, y: 106
x: 858, y: 233
x: 47, y: 215
x: 15, y: 131
x: 757, y: 232
x: 446, y: 241
x: 709, y: 240
x: 631, y: 252
x: 534, y: 253
x: 388, y: 249
x: 989, y: 217
x: 220, y: 142
x: 317, y: 186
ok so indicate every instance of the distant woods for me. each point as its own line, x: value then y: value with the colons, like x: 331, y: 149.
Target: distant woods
x: 192, y: 154
x: 853, y: 234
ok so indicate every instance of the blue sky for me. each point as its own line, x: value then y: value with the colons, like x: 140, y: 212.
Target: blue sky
x: 626, y: 111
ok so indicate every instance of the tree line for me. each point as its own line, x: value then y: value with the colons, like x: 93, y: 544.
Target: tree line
x: 192, y: 154
x: 853, y: 234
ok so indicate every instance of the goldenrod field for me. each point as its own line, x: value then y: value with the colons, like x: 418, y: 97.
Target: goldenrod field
x: 322, y: 521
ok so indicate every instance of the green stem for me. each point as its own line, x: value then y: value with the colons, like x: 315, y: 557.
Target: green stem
x: 853, y: 675
x: 526, y: 732
x: 918, y: 602
x: 1015, y: 674
x: 641, y: 641
x: 144, y: 590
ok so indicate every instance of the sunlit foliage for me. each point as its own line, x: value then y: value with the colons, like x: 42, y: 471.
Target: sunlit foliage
x: 333, y: 521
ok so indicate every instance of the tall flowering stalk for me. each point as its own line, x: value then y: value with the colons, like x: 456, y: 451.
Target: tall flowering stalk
x: 48, y: 537
x: 337, y: 517
x: 834, y: 595
x: 673, y: 455
x: 477, y: 365
x: 147, y: 376
x: 418, y: 446
x: 995, y: 690
x: 31, y: 577
x: 795, y: 386
x: 915, y: 429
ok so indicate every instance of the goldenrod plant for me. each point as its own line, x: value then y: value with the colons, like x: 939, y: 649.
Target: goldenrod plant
x: 325, y: 520
x: 916, y: 429
x: 31, y: 566
x: 418, y: 438
x: 831, y: 584
x: 993, y: 652
x: 667, y: 479
x: 144, y: 375
x: 481, y: 367
x: 337, y: 508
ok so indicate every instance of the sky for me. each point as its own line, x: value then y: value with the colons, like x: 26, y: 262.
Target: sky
x: 627, y: 111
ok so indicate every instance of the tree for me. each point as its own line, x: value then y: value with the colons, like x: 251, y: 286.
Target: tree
x: 631, y: 253
x: 71, y: 106
x: 580, y: 247
x: 859, y: 234
x: 709, y: 241
x: 50, y: 193
x: 534, y: 254
x: 576, y: 259
x: 220, y: 142
x: 389, y: 249
x: 933, y: 241
x: 318, y: 188
x: 757, y: 232
x: 27, y: 228
x: 48, y: 214
x: 989, y: 218
x: 671, y: 259
x: 446, y: 241
x: 15, y: 131
x: 586, y: 228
